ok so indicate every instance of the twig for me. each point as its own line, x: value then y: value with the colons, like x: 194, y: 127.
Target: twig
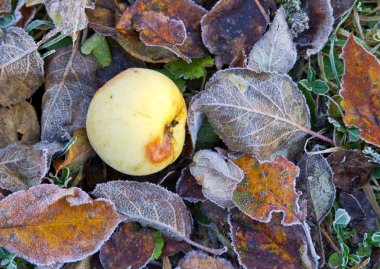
x: 362, y: 264
x: 166, y: 263
x: 372, y: 198
x: 331, y: 242
x: 357, y: 22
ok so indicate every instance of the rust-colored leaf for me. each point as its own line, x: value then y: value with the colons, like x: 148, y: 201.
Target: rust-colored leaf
x: 37, y: 223
x: 102, y: 18
x: 268, y: 187
x: 269, y: 245
x: 165, y: 12
x: 129, y: 247
x: 232, y: 27
x: 78, y: 153
x: 200, y: 260
x: 361, y: 91
x: 19, y: 123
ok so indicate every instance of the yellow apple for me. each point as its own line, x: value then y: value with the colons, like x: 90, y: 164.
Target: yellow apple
x: 136, y: 122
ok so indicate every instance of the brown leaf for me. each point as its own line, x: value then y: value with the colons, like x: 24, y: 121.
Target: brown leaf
x: 200, y: 260
x: 361, y: 91
x: 102, y: 18
x: 215, y: 213
x: 340, y: 7
x: 19, y: 123
x: 172, y: 247
x: 129, y: 247
x: 185, y: 11
x: 83, y: 264
x: 232, y: 27
x: 70, y: 85
x: 188, y: 188
x: 351, y: 169
x: 269, y: 245
x: 268, y: 187
x: 32, y: 222
x: 5, y: 7
x: 21, y: 66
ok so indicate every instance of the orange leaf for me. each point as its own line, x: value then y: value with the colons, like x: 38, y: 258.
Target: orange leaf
x: 361, y: 91
x: 48, y: 225
x: 268, y: 187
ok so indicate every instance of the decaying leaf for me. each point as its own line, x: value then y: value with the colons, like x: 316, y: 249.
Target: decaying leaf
x: 129, y: 247
x: 232, y: 27
x: 200, y: 260
x: 32, y: 222
x: 22, y: 167
x: 21, y: 66
x: 269, y: 245
x: 320, y: 14
x: 268, y: 187
x: 188, y: 188
x: 351, y: 169
x: 315, y: 183
x: 361, y: 91
x: 78, y: 153
x: 149, y: 205
x: 340, y: 7
x: 102, y: 18
x: 19, y: 123
x: 261, y: 114
x: 70, y: 85
x: 275, y: 51
x: 147, y: 16
x: 217, y: 175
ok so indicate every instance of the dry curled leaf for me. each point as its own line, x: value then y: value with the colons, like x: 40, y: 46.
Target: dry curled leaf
x: 269, y: 245
x: 129, y: 247
x: 361, y: 91
x: 261, y: 114
x: 188, y: 188
x: 320, y: 14
x: 275, y: 51
x: 32, y: 222
x: 200, y: 260
x: 268, y: 187
x: 148, y: 16
x: 232, y: 27
x: 351, y: 169
x: 217, y: 175
x: 21, y: 66
x: 19, y: 123
x: 70, y: 85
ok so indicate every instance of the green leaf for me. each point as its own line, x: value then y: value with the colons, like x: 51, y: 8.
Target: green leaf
x: 376, y: 237
x: 195, y: 69
x: 206, y: 136
x: 345, y: 253
x: 335, y: 260
x: 40, y: 25
x: 341, y: 218
x: 319, y: 87
x: 353, y: 133
x: 98, y: 47
x: 6, y: 20
x: 354, y: 258
x: 181, y: 84
x: 310, y: 74
x: 159, y: 244
x: 340, y: 127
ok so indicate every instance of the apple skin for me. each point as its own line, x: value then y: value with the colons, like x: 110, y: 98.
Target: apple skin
x: 136, y: 122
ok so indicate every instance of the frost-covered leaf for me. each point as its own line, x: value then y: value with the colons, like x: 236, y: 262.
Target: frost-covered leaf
x: 268, y: 187
x: 315, y: 182
x: 19, y: 123
x: 341, y: 218
x: 149, y: 205
x: 232, y: 27
x: 200, y: 260
x: 261, y: 114
x: 21, y: 66
x: 32, y: 224
x: 217, y: 175
x: 188, y: 188
x: 361, y: 91
x: 102, y: 18
x: 70, y: 85
x: 22, y: 166
x: 129, y: 247
x: 275, y: 51
x: 269, y: 245
x: 320, y: 14
x: 340, y: 7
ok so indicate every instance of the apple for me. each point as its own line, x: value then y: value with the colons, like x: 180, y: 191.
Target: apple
x: 136, y: 122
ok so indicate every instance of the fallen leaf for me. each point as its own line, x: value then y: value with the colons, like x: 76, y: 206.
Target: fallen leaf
x: 351, y: 169
x: 200, y: 260
x: 269, y: 245
x: 78, y: 153
x: 361, y: 91
x: 315, y: 183
x: 217, y: 175
x: 83, y: 264
x: 129, y: 247
x: 275, y: 51
x: 102, y: 18
x: 32, y: 222
x: 5, y: 7
x: 69, y: 86
x: 170, y: 12
x: 188, y: 188
x: 320, y: 14
x: 215, y: 213
x: 194, y: 70
x: 232, y: 27
x: 340, y: 7
x: 19, y: 123
x: 172, y: 247
x: 21, y: 66
x: 97, y: 46
x: 261, y: 114
x: 268, y: 187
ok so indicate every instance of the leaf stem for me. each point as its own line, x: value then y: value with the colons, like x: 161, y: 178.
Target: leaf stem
x: 308, y: 131
x: 372, y: 198
x: 215, y: 251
